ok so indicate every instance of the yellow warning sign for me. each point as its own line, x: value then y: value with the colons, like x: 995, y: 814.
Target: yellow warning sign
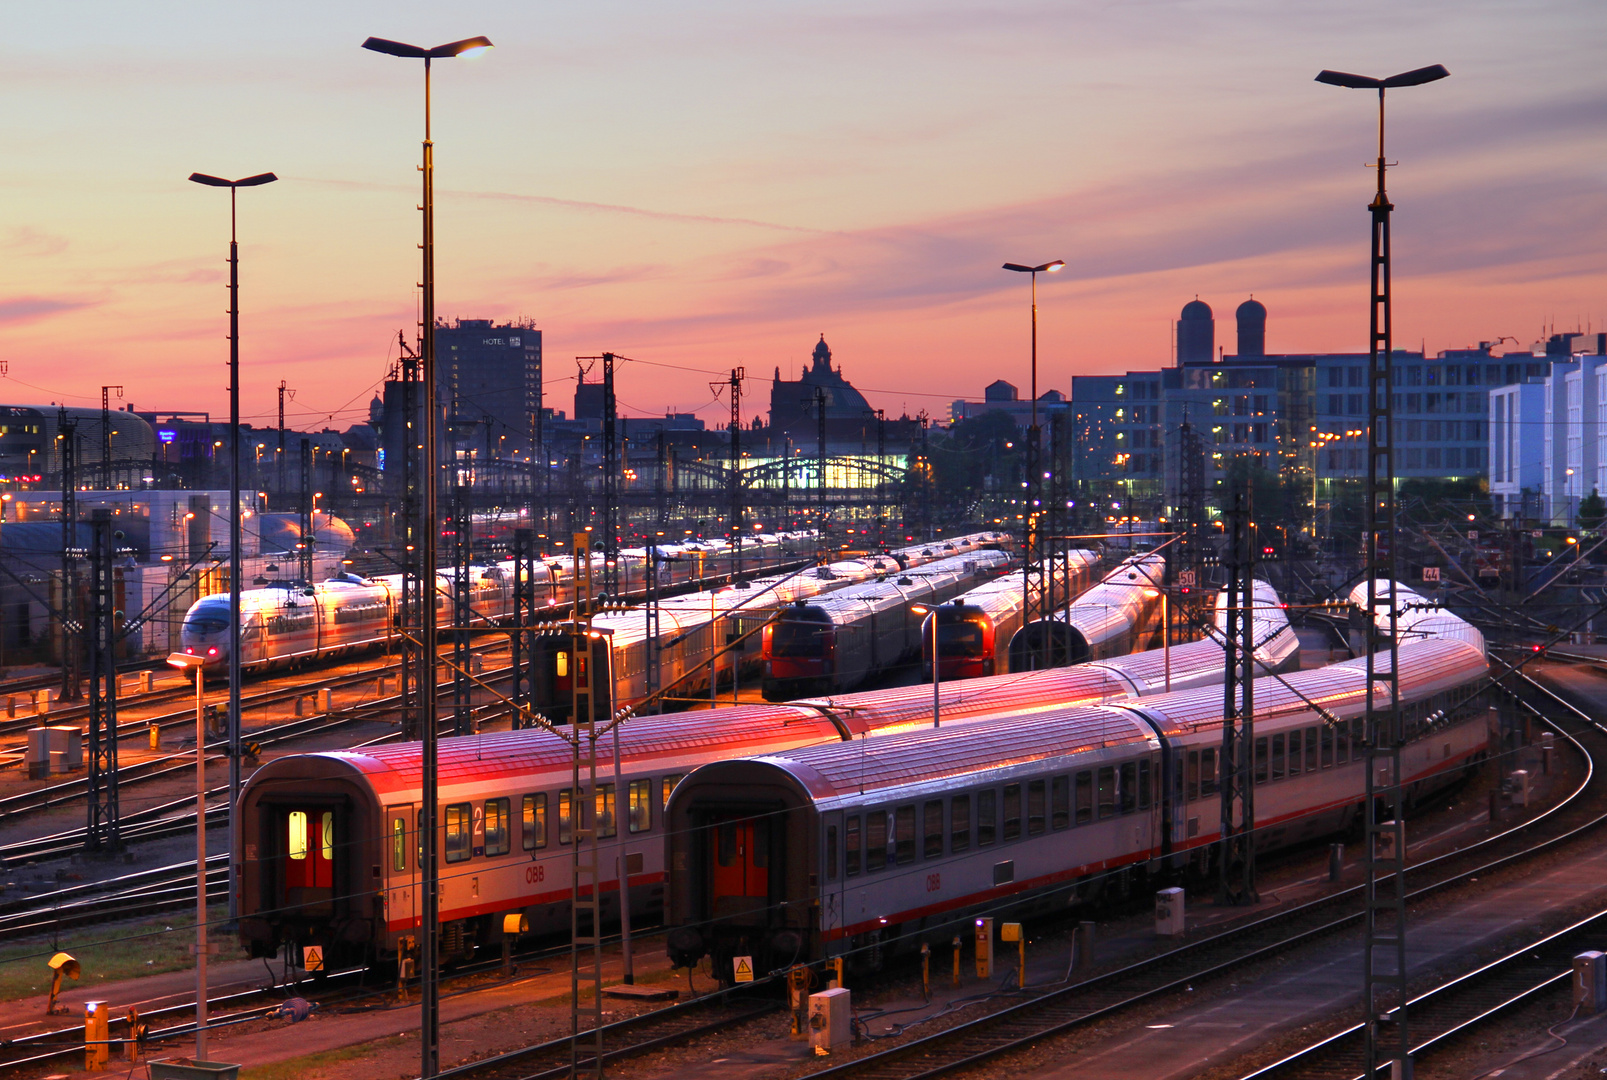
x: 744, y: 968
x: 312, y: 958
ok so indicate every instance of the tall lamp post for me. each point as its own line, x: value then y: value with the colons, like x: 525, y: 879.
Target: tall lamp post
x: 234, y: 513
x: 191, y: 665
x: 1386, y: 873
x: 429, y: 930
x: 1031, y: 567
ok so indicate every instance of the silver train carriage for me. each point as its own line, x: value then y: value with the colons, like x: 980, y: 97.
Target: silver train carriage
x: 1110, y: 619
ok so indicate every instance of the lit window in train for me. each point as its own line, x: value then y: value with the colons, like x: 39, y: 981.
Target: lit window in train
x: 297, y: 829
x: 604, y: 810
x: 641, y: 805
x: 533, y: 816
x: 459, y: 832
x: 669, y: 783
x: 563, y: 665
x: 326, y: 833
x: 398, y: 844
x: 497, y: 840
x: 565, y: 816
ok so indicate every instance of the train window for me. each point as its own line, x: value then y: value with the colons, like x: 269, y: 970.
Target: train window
x: 1129, y: 787
x: 1060, y: 802
x: 1311, y: 749
x: 1037, y: 794
x: 1327, y: 747
x: 398, y: 844
x: 1277, y: 759
x: 875, y: 841
x: 959, y: 824
x: 1261, y: 760
x: 1208, y: 779
x: 851, y: 846
x: 904, y: 835
x: 986, y: 817
x: 726, y: 842
x: 1358, y: 738
x: 1012, y: 811
x: 296, y: 830
x: 561, y: 665
x: 1295, y: 756
x: 533, y: 816
x: 1191, y: 776
x: 1143, y: 784
x: 669, y: 783
x: 459, y: 832
x: 1341, y: 743
x: 566, y: 816
x: 604, y: 810
x: 831, y: 853
x: 641, y: 806
x: 497, y: 840
x: 932, y: 829
x: 1085, y: 797
x: 1107, y: 791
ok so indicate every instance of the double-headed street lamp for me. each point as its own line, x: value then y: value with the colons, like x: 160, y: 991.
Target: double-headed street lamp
x: 429, y: 930
x: 1030, y: 547
x: 234, y: 509
x: 1386, y: 874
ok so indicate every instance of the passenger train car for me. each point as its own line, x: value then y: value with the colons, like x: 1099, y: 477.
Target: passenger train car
x: 329, y: 844
x: 835, y: 643
x: 971, y: 630
x: 296, y: 622
x: 1109, y: 619
x: 835, y: 850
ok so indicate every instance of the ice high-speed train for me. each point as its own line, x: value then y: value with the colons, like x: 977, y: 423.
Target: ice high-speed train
x: 1109, y: 619
x: 972, y: 629
x: 295, y: 622
x: 834, y: 643
x: 855, y: 850
x: 696, y: 628
x: 329, y: 844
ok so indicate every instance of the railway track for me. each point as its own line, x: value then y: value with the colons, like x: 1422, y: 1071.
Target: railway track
x: 165, y: 888
x: 1045, y: 1012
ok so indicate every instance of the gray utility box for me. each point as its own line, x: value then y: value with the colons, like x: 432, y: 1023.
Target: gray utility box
x: 190, y: 1069
x: 56, y: 749
x: 830, y: 1020
x: 1590, y: 982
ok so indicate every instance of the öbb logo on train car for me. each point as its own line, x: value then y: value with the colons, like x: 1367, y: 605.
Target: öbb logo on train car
x: 535, y: 873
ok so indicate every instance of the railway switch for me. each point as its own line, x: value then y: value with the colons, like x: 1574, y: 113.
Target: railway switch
x: 1169, y: 913
x: 1011, y: 931
x: 1590, y: 982
x: 830, y: 1021
x: 62, y: 964
x: 984, y: 947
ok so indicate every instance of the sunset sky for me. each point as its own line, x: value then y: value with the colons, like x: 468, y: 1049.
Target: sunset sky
x: 705, y: 184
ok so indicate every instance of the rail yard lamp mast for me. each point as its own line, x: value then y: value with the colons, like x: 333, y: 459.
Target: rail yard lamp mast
x: 234, y: 514
x: 1032, y: 569
x: 1384, y: 984
x: 429, y: 930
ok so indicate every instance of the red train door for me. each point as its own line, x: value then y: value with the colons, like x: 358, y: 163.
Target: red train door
x: 308, y: 843
x: 740, y: 869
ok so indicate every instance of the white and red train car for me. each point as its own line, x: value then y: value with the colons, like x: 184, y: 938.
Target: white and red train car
x: 836, y: 850
x: 329, y: 843
x: 1112, y: 618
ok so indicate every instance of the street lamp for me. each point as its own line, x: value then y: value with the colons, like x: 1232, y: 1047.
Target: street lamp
x: 1030, y: 518
x: 931, y: 615
x: 429, y: 930
x: 234, y: 508
x: 1383, y: 734
x: 190, y: 664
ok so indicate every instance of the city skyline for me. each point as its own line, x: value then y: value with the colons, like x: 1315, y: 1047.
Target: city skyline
x: 714, y: 186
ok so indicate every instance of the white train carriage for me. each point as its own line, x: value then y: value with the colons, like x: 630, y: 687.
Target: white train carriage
x: 835, y: 643
x: 329, y: 844
x: 1112, y: 618
x: 850, y: 850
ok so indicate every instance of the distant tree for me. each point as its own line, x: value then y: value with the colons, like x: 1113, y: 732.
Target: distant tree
x: 1592, y: 511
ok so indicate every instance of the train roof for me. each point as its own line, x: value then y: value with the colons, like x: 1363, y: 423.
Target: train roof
x: 1416, y: 616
